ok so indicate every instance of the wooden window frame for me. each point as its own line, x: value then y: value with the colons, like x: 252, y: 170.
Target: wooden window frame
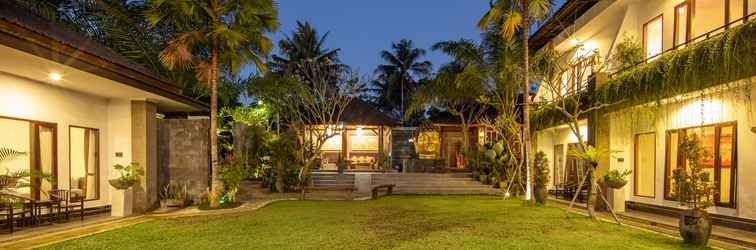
x: 635, y: 165
x: 645, y: 36
x: 34, y: 149
x: 97, y: 160
x: 676, y: 42
x: 717, y: 162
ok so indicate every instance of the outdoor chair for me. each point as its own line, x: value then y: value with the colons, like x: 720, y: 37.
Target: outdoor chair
x: 13, y: 216
x: 67, y: 201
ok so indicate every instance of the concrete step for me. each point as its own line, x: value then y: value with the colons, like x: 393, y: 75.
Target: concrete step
x: 440, y: 182
x: 422, y: 175
x: 449, y: 191
x: 441, y: 186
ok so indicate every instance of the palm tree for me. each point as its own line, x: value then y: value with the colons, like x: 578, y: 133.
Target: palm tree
x: 402, y: 71
x: 304, y: 45
x: 214, y: 37
x: 511, y: 16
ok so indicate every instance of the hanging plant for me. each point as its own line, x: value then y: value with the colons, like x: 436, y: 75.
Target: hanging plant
x: 726, y: 58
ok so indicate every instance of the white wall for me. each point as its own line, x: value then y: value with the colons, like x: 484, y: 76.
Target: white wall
x: 27, y: 99
x: 723, y: 105
x: 546, y: 139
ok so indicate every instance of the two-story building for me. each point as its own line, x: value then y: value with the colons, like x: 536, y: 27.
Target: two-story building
x: 696, y: 77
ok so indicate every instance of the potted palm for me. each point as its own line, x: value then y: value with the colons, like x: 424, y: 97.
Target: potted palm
x: 540, y: 177
x: 122, y: 197
x: 695, y: 190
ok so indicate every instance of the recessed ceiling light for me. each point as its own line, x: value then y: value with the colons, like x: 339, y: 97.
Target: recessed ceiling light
x: 55, y: 76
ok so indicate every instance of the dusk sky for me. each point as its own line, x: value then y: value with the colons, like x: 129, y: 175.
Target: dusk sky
x: 362, y: 28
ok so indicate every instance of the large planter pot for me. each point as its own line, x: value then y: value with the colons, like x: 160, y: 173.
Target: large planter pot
x: 540, y: 193
x: 615, y: 184
x: 695, y: 227
x: 121, y: 202
x: 121, y: 185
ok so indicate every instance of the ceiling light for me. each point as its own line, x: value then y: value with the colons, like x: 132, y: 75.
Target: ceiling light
x: 55, y: 76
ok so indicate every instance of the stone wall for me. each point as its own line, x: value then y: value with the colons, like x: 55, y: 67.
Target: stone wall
x: 401, y: 147
x: 184, y: 153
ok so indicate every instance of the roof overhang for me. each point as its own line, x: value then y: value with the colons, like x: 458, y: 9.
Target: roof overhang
x: 563, y: 18
x: 24, y: 32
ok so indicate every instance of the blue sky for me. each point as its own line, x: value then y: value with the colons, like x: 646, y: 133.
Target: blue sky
x: 362, y: 28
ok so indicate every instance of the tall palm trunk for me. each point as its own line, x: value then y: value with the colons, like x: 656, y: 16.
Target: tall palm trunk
x: 216, y: 185
x: 526, y: 98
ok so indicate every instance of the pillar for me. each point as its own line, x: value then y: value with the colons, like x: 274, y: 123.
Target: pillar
x: 144, y: 151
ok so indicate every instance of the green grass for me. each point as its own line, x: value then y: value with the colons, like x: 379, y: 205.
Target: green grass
x: 397, y: 222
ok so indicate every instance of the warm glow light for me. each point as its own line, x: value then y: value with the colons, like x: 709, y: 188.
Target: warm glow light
x: 574, y: 42
x: 586, y: 49
x: 411, y: 140
x: 55, y: 76
x: 359, y: 131
x: 259, y: 102
x: 700, y: 112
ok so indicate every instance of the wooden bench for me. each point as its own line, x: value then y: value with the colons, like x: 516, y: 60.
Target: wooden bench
x: 348, y: 189
x: 389, y: 189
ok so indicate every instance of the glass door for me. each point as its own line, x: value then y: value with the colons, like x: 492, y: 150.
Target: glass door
x: 45, y: 158
x: 84, y: 162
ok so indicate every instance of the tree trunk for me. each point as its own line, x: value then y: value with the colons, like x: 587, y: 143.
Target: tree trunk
x: 591, y: 203
x: 216, y: 184
x: 526, y: 100
x: 465, y: 137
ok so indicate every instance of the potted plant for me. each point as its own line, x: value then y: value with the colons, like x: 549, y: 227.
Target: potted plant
x: 615, y: 179
x: 129, y: 175
x: 122, y: 197
x: 540, y: 177
x: 695, y: 190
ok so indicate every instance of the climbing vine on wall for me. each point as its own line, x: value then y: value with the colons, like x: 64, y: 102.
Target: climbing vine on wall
x: 725, y: 58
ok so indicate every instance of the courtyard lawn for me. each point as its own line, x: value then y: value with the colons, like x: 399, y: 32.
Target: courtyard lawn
x: 401, y: 222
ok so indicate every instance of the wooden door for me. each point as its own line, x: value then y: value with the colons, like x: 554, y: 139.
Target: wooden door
x: 572, y: 171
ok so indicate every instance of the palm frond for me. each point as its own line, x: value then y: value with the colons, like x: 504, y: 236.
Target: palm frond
x: 7, y: 154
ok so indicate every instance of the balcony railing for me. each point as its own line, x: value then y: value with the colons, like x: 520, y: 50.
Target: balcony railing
x: 703, y: 37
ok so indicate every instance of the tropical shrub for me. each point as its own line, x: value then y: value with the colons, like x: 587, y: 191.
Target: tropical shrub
x: 282, y: 172
x: 540, y: 169
x: 175, y: 193
x: 627, y: 53
x: 233, y: 173
x: 694, y: 186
